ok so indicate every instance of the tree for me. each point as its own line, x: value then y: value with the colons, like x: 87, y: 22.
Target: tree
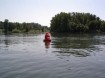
x: 76, y: 23
x: 1, y: 25
x: 6, y: 25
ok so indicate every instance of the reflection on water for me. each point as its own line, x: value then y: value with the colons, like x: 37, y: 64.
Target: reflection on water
x: 47, y: 44
x: 66, y: 56
x: 5, y: 40
x: 78, y: 45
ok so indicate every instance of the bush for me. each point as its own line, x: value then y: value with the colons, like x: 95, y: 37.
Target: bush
x: 16, y: 31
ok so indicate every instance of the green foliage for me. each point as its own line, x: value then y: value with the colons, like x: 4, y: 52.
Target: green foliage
x: 6, y: 25
x: 102, y: 26
x: 15, y: 27
x: 1, y: 31
x: 1, y: 25
x: 16, y: 31
x: 76, y: 22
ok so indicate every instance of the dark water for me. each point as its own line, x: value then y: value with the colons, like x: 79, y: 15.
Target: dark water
x: 67, y: 56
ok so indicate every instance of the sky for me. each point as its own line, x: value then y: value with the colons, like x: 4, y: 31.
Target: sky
x: 42, y: 11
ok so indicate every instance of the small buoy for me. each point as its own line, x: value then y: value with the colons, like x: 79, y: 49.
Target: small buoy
x: 47, y: 37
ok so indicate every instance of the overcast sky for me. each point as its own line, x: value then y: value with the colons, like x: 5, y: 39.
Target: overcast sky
x: 42, y: 11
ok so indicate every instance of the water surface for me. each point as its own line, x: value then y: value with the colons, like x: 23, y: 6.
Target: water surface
x: 66, y: 56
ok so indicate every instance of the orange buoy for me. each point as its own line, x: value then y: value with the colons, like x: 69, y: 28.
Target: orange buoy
x: 47, y: 37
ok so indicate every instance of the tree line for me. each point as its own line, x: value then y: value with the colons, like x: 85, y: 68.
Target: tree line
x: 76, y: 23
x: 16, y: 27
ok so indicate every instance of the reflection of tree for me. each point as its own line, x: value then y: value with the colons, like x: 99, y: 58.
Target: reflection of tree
x: 74, y: 52
x: 6, y: 40
x: 72, y: 42
x: 76, y: 45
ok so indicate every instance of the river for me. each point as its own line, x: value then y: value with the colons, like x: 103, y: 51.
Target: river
x: 66, y: 56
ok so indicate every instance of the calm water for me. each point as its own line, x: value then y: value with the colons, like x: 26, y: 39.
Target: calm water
x: 67, y: 56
